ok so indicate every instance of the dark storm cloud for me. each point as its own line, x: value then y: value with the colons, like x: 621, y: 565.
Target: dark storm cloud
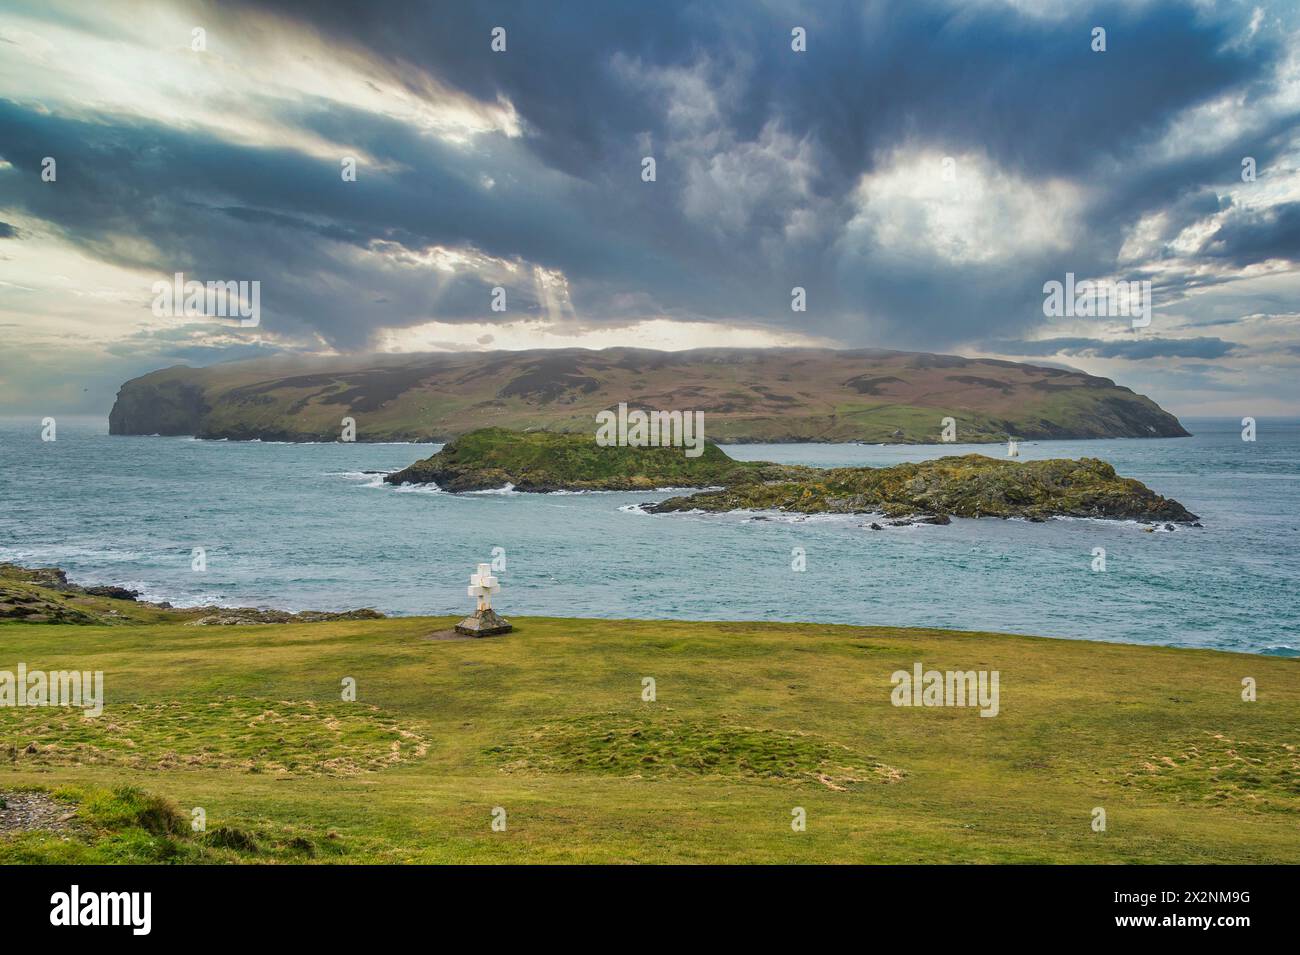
x: 1028, y: 89
x: 588, y: 81
x: 1257, y: 235
x: 7, y: 231
x: 1028, y: 92
x: 1134, y: 349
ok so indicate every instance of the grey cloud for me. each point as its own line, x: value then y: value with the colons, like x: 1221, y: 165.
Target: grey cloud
x: 768, y: 139
x: 1130, y: 349
x: 1257, y: 235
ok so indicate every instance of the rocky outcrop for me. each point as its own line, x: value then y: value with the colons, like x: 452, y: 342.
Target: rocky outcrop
x: 544, y: 461
x: 971, y: 485
x: 44, y: 595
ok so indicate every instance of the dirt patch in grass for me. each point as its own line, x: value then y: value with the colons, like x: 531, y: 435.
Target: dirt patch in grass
x: 446, y: 635
x: 284, y: 737
x: 668, y: 747
x: 33, y: 812
x: 130, y: 825
x: 1214, y: 770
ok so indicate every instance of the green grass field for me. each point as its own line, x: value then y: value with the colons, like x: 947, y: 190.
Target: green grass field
x: 548, y: 723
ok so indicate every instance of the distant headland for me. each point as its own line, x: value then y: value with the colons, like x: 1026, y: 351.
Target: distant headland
x: 746, y: 395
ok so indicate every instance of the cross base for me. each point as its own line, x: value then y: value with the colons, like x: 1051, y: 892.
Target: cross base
x: 484, y: 623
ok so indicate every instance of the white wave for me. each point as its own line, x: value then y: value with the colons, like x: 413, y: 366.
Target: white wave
x: 57, y: 553
x: 366, y: 479
x: 149, y: 594
x: 653, y: 490
x: 508, y: 489
x: 780, y: 517
x: 1096, y: 520
x: 411, y: 488
x: 1157, y: 526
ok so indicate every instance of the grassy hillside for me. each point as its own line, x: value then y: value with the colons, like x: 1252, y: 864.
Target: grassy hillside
x: 746, y: 395
x: 750, y: 721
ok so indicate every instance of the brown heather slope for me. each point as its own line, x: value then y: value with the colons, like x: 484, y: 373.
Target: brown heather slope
x: 749, y: 395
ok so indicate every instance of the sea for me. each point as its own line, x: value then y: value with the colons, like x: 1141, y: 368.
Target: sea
x: 312, y: 526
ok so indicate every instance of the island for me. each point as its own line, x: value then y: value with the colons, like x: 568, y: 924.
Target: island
x: 747, y: 394
x: 971, y: 485
x: 546, y: 461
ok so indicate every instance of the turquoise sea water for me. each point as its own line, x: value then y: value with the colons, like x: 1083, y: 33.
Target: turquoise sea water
x: 303, y: 527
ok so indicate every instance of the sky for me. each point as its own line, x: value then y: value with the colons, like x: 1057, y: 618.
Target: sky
x: 920, y: 170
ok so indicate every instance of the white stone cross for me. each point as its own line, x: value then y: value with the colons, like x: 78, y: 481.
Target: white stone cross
x: 483, y: 585
x: 1013, y: 448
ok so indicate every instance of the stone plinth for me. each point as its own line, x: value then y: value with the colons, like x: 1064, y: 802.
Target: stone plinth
x: 484, y: 623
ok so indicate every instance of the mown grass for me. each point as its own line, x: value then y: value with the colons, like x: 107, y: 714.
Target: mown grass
x: 549, y: 724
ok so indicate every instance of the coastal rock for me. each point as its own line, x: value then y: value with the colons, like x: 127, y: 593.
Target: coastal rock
x: 913, y: 519
x: 41, y: 576
x: 44, y: 595
x: 113, y: 593
x: 544, y: 461
x: 971, y: 485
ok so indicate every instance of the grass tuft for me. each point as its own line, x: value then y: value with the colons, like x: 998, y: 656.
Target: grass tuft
x: 612, y: 744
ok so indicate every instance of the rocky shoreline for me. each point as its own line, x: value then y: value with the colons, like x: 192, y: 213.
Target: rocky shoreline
x: 45, y: 595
